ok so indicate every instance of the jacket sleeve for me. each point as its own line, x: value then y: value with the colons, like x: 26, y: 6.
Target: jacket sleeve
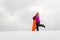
x: 34, y: 17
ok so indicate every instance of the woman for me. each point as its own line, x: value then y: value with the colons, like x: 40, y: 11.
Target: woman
x: 36, y: 17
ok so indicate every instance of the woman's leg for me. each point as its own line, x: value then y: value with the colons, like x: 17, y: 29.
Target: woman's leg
x: 42, y: 25
x: 37, y: 27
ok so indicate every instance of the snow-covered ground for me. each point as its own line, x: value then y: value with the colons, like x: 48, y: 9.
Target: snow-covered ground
x: 23, y: 35
x: 16, y: 15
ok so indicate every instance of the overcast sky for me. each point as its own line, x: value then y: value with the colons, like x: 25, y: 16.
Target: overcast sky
x: 17, y: 14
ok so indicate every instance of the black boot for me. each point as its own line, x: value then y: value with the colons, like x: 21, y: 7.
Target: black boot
x: 43, y: 25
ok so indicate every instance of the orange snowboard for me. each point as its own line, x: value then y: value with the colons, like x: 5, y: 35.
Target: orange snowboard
x: 34, y: 25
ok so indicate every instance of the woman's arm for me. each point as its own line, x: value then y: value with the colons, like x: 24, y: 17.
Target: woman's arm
x: 34, y: 17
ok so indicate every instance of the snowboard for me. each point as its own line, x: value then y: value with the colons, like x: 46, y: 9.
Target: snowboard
x: 34, y: 25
